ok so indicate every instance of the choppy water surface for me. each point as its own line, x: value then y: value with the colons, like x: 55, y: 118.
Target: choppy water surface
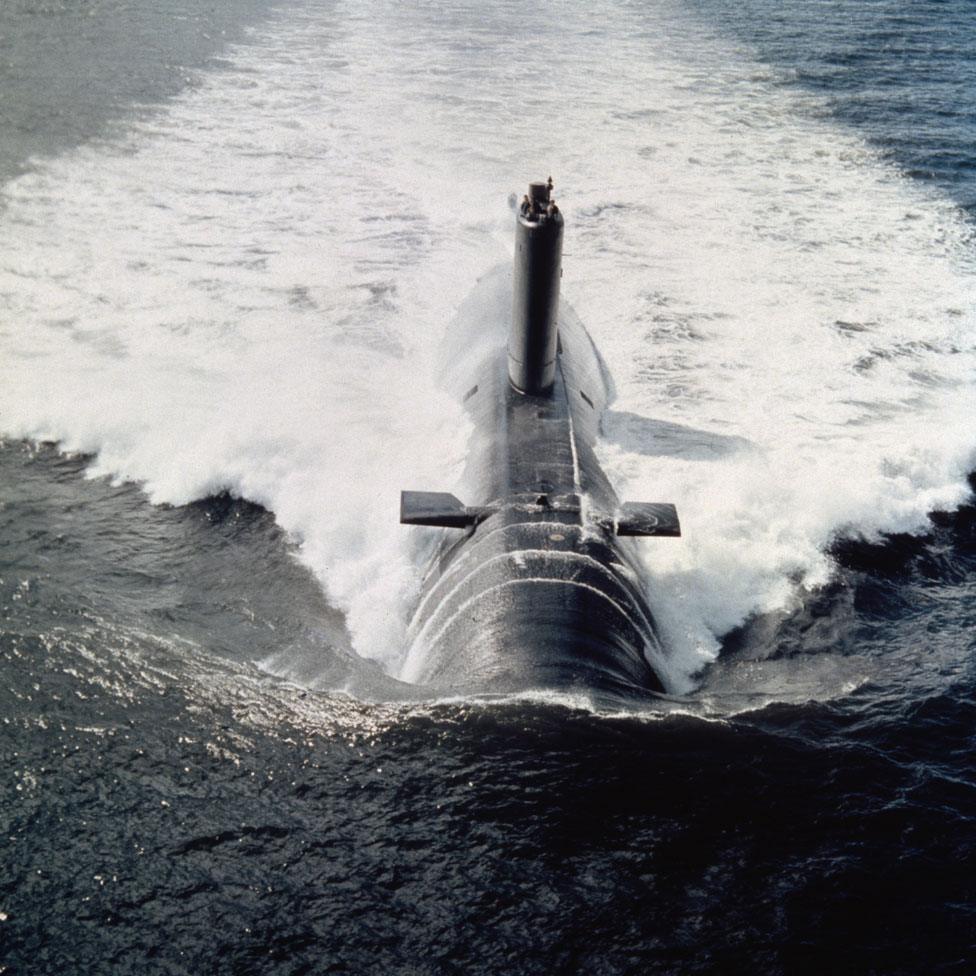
x: 226, y: 296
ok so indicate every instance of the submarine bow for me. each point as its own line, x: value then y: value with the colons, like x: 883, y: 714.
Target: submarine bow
x: 536, y: 585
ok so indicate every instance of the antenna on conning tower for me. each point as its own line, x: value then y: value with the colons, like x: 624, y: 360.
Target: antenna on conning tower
x: 535, y: 308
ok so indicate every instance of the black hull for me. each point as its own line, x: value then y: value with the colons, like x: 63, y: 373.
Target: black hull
x: 539, y: 592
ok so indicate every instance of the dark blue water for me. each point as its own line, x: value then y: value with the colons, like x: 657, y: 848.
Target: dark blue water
x: 169, y: 808
x: 901, y: 73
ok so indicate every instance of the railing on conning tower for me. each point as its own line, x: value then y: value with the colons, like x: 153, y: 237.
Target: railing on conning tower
x: 532, y: 342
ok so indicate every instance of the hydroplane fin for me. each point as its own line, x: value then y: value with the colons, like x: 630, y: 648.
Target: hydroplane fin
x: 647, y: 518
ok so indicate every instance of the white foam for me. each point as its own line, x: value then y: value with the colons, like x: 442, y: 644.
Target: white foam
x: 249, y: 294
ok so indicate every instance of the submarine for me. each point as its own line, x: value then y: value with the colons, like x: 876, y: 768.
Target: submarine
x: 534, y: 583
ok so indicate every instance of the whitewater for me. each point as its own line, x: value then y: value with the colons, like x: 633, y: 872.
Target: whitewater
x: 252, y: 290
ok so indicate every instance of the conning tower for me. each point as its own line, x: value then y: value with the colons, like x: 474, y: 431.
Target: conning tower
x: 535, y: 307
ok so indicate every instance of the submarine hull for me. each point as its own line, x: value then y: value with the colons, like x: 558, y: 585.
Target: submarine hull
x: 538, y: 590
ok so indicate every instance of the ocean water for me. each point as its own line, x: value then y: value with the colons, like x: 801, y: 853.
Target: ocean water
x: 233, y: 242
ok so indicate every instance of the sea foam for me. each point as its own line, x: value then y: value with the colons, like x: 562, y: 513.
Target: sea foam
x: 252, y: 292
